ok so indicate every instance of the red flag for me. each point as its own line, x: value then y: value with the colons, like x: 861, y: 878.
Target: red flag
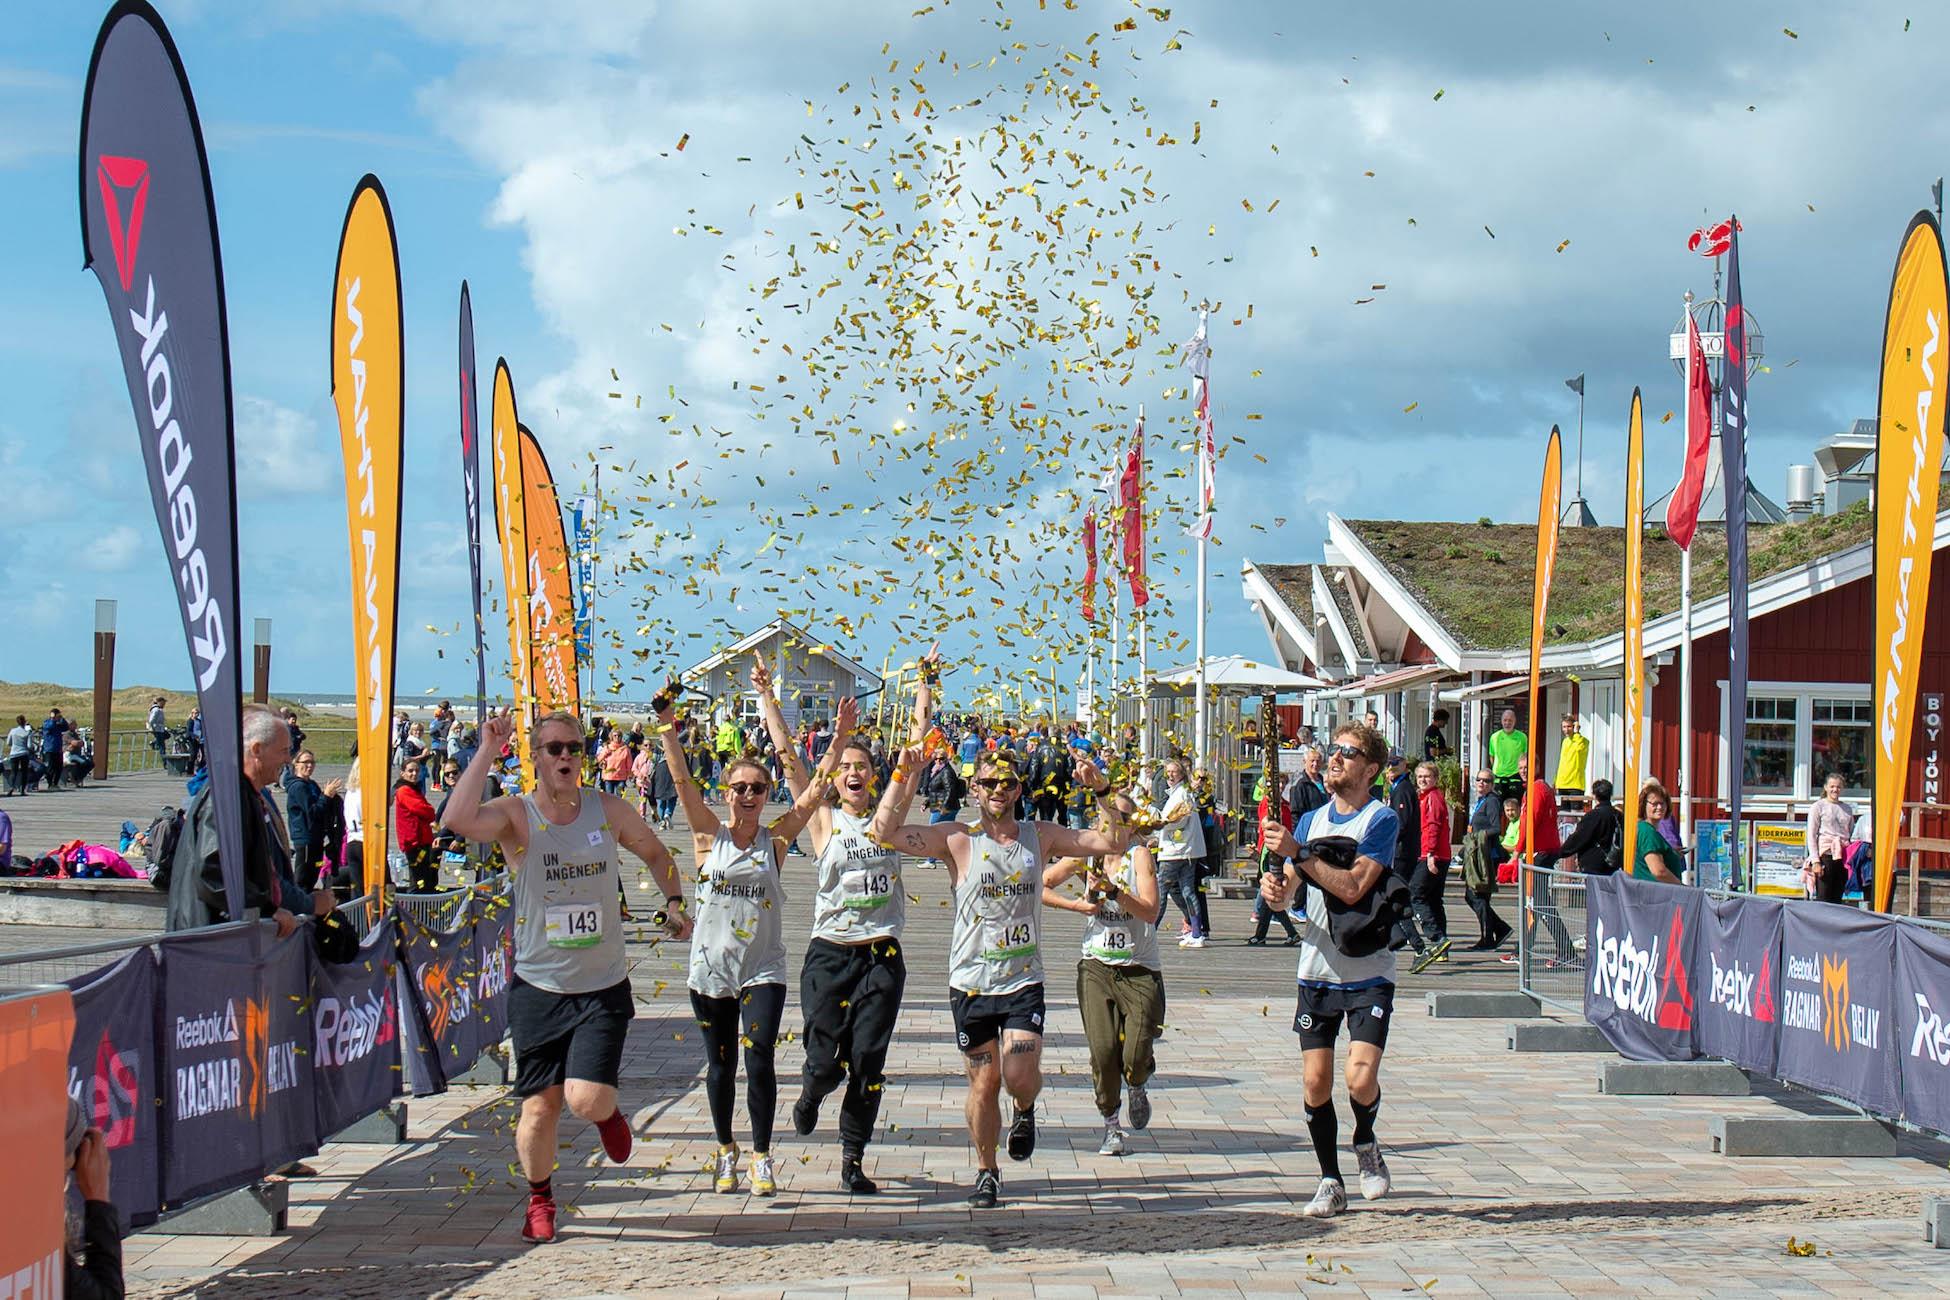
x: 1682, y: 508
x: 1090, y: 564
x: 1131, y: 502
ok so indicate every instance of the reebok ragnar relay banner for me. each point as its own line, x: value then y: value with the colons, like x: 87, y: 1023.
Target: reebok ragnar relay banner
x: 149, y: 233
x: 368, y: 370
x: 551, y: 581
x: 510, y: 526
x: 1909, y: 451
x: 1634, y: 604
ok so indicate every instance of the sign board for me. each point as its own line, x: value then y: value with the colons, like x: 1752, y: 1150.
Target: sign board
x: 1713, y: 854
x: 34, y: 1031
x: 1779, y: 850
x: 1929, y: 745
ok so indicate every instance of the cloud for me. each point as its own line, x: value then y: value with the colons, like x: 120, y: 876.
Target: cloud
x: 284, y: 452
x: 110, y: 551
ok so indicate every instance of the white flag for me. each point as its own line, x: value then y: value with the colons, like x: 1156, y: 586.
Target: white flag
x: 1198, y: 354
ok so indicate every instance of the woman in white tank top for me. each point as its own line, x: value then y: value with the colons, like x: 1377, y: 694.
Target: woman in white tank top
x: 737, y: 970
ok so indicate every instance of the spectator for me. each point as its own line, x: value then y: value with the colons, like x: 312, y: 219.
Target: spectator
x: 196, y: 888
x: 462, y: 741
x: 1049, y: 781
x: 1831, y: 824
x: 1181, y: 847
x: 401, y: 724
x: 158, y: 726
x: 1481, y: 853
x: 1407, y: 803
x: 77, y: 759
x: 1599, y: 833
x: 663, y: 789
x: 54, y: 739
x: 438, y: 734
x: 351, y: 874
x: 6, y: 842
x: 193, y: 733
x: 413, y: 823
x: 642, y: 766
x: 1213, y: 861
x: 942, y: 789
x: 1652, y: 857
x: 1432, y: 862
x: 290, y: 716
x: 20, y: 740
x: 614, y: 761
x: 1572, y: 756
x: 1309, y: 788
x: 92, y: 1261
x: 305, y: 815
x: 1507, y: 748
x: 1537, y: 835
x: 448, y: 848
x: 1435, y: 741
x: 413, y: 749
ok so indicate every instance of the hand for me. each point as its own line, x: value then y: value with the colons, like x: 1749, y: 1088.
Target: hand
x: 1277, y: 838
x: 495, y: 733
x: 911, y: 758
x: 1087, y: 776
x: 335, y: 788
x: 91, y: 1166
x: 846, y: 717
x: 761, y: 676
x: 323, y: 902
x: 679, y: 924
x: 286, y: 923
x: 1273, y: 889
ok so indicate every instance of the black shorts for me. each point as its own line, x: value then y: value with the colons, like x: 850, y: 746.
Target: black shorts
x: 560, y: 1036
x: 1317, y: 1018
x: 980, y: 1018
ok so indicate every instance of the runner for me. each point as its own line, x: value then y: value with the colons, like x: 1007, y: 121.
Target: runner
x: 738, y: 954
x: 1334, y: 986
x: 570, y: 1004
x: 995, y: 962
x: 1120, y: 981
x: 850, y: 986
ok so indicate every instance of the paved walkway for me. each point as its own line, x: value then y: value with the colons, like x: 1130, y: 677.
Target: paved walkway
x: 1513, y: 1177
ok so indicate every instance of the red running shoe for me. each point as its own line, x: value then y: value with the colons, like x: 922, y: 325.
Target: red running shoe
x: 540, y: 1226
x: 615, y: 1132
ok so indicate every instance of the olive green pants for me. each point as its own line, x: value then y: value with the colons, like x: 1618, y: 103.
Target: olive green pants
x: 1123, y: 1010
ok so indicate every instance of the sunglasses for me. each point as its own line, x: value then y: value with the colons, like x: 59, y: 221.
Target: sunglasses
x: 1345, y: 751
x: 560, y: 748
x: 999, y: 782
x: 745, y: 789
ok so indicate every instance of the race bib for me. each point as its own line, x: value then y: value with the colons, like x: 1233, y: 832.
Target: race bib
x: 1114, y: 945
x: 573, y: 925
x: 1008, y: 941
x: 866, y: 891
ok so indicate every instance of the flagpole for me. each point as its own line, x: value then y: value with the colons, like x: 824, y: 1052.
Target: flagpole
x: 1200, y: 743
x: 1685, y: 651
x: 1143, y: 622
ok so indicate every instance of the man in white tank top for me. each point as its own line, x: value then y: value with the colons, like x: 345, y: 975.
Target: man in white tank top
x: 995, y: 977
x: 571, y: 1003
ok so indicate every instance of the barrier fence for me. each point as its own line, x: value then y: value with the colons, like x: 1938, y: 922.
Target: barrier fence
x: 209, y: 1058
x: 1824, y: 996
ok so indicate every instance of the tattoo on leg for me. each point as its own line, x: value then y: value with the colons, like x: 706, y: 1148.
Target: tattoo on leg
x: 982, y: 1057
x: 1023, y: 1045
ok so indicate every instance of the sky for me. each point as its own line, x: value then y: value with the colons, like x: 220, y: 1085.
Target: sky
x: 1472, y: 206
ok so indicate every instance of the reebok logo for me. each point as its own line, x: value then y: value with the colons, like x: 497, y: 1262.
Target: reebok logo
x: 1743, y: 992
x: 1932, y: 1037
x: 124, y: 179
x: 1649, y: 982
x: 1830, y: 1009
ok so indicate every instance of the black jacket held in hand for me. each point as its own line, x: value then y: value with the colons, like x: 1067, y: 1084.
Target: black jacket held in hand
x: 1361, y: 928
x: 196, y: 896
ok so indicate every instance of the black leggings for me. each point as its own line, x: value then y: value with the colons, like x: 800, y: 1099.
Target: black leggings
x: 760, y: 1007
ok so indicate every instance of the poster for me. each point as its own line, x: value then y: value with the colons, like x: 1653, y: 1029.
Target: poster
x: 1639, y: 955
x: 1838, y: 1002
x: 1713, y: 855
x: 1780, y: 849
x: 112, y: 1073
x: 1737, y: 954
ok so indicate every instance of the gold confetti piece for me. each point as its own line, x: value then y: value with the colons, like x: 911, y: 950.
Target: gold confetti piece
x: 1411, y: 406
x: 1566, y: 244
x: 683, y: 140
x: 1793, y: 35
x: 1800, y: 1249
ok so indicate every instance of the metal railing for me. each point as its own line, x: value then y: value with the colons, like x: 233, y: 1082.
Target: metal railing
x: 59, y: 965
x: 1550, y: 937
x: 442, y: 911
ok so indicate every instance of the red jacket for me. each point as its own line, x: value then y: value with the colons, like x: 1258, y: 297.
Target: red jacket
x: 1538, y: 834
x: 1435, y: 826
x: 412, y: 819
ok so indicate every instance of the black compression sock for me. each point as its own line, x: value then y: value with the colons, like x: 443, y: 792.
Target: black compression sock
x: 1364, y: 1119
x: 1323, y: 1125
x: 545, y: 1188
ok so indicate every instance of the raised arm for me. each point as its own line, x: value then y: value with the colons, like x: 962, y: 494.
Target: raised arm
x: 697, y: 812
x: 466, y: 815
x: 1088, y: 843
x: 790, y: 760
x: 930, y: 671
x: 888, y: 827
x: 810, y: 798
x: 1149, y: 906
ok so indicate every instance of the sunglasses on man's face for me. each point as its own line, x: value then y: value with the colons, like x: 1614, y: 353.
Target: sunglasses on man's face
x: 746, y: 789
x: 1348, y: 752
x: 560, y: 748
x: 997, y: 784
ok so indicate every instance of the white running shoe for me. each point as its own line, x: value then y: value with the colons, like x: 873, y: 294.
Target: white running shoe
x: 765, y: 1182
x: 1184, y: 941
x: 725, y: 1176
x: 1375, y: 1182
x: 1196, y: 941
x: 1330, y: 1198
x: 1140, y: 1108
x: 1113, y: 1140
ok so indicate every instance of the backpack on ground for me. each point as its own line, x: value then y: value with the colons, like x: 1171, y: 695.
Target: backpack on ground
x: 159, y: 845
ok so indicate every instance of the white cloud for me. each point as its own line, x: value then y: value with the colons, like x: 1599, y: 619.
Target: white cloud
x: 284, y: 452
x: 111, y: 550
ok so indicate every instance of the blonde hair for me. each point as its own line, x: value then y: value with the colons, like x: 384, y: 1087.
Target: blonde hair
x: 560, y: 717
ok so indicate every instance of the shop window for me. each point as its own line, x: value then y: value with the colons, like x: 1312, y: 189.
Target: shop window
x: 1838, y: 741
x: 1770, y: 758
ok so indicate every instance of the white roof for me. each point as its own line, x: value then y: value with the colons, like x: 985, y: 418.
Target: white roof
x: 862, y: 676
x: 1235, y: 675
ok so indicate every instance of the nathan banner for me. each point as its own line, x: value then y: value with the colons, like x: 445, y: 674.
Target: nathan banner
x: 551, y: 587
x: 1548, y: 495
x: 1638, y: 957
x: 1737, y: 955
x: 368, y: 369
x: 1837, y: 1002
x: 510, y: 527
x: 112, y: 1073
x: 356, y: 1032
x: 236, y: 1060
x: 34, y: 1031
x: 1923, y: 1025
x: 149, y: 232
x: 1909, y: 452
x: 470, y: 481
x: 1634, y: 604
x: 442, y: 970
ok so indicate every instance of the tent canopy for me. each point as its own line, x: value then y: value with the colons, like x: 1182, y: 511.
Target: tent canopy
x: 1232, y: 675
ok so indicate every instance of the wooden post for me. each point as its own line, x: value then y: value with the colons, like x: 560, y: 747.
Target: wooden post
x: 104, y: 686
x: 1915, y: 857
x: 261, y: 663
